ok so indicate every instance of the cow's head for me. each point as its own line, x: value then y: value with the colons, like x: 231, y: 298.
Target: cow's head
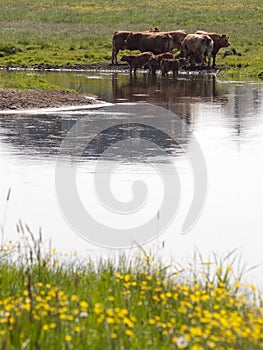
x: 224, y: 40
x: 154, y: 30
x: 124, y: 58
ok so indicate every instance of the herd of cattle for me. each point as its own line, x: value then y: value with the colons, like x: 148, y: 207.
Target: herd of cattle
x: 156, y: 49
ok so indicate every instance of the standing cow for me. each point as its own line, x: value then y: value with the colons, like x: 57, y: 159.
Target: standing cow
x: 154, y: 42
x: 178, y: 36
x: 197, y: 46
x: 118, y: 41
x: 220, y: 40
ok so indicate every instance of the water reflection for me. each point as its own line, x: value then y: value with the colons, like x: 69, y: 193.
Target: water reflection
x: 42, y: 135
x: 188, y: 96
x: 237, y: 101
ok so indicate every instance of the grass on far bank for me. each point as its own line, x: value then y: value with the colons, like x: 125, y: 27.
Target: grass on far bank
x: 49, y: 301
x: 27, y: 80
x: 59, y: 32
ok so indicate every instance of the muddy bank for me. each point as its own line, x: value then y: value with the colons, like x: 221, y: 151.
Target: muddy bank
x: 89, y: 67
x: 11, y: 99
x: 105, y: 66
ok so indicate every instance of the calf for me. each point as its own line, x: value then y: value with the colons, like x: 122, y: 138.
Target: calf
x: 172, y: 65
x: 154, y: 62
x: 136, y: 61
x: 220, y: 40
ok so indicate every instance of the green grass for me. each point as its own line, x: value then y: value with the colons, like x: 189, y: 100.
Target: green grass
x: 60, y: 32
x: 52, y: 301
x: 26, y: 80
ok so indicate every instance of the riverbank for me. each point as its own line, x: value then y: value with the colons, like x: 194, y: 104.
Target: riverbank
x: 12, y: 99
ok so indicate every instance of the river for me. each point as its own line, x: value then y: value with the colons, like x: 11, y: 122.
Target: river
x: 223, y: 119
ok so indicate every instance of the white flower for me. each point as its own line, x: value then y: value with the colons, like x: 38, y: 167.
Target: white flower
x: 181, y: 342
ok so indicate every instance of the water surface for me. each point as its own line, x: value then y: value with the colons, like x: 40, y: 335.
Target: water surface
x: 225, y: 117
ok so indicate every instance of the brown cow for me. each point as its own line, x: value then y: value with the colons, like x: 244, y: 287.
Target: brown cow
x: 154, y: 62
x: 154, y: 42
x: 172, y: 65
x: 153, y: 30
x: 220, y: 40
x: 197, y: 46
x: 178, y: 36
x: 118, y: 41
x: 136, y: 61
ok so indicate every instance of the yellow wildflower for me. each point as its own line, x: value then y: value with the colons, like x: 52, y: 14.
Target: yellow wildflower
x: 68, y: 337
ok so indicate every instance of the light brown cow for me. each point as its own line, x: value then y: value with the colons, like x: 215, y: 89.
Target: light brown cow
x: 220, y: 40
x: 197, y: 46
x: 137, y: 61
x: 172, y: 65
x: 118, y: 41
x: 154, y: 62
x: 154, y: 42
x: 178, y: 36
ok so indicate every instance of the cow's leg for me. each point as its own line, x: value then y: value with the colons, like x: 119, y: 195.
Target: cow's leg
x: 209, y: 60
x: 214, y: 61
x: 114, y: 55
x: 192, y: 59
x: 202, y: 59
x: 175, y: 72
x: 150, y: 69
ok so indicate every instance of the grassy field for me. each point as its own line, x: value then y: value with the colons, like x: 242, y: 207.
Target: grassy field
x: 60, y: 32
x: 51, y: 301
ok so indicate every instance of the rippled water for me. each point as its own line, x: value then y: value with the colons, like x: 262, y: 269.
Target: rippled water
x: 226, y: 118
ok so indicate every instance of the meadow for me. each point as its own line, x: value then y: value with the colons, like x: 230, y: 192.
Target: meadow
x: 50, y: 300
x: 63, y: 32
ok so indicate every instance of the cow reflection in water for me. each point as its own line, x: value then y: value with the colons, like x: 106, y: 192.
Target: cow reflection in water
x: 178, y: 95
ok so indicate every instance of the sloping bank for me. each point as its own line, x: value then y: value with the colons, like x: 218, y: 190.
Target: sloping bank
x: 12, y: 99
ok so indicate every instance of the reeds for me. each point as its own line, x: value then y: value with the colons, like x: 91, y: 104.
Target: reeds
x: 50, y: 301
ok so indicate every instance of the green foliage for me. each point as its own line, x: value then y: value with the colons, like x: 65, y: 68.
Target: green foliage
x: 52, y: 301
x: 24, y: 81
